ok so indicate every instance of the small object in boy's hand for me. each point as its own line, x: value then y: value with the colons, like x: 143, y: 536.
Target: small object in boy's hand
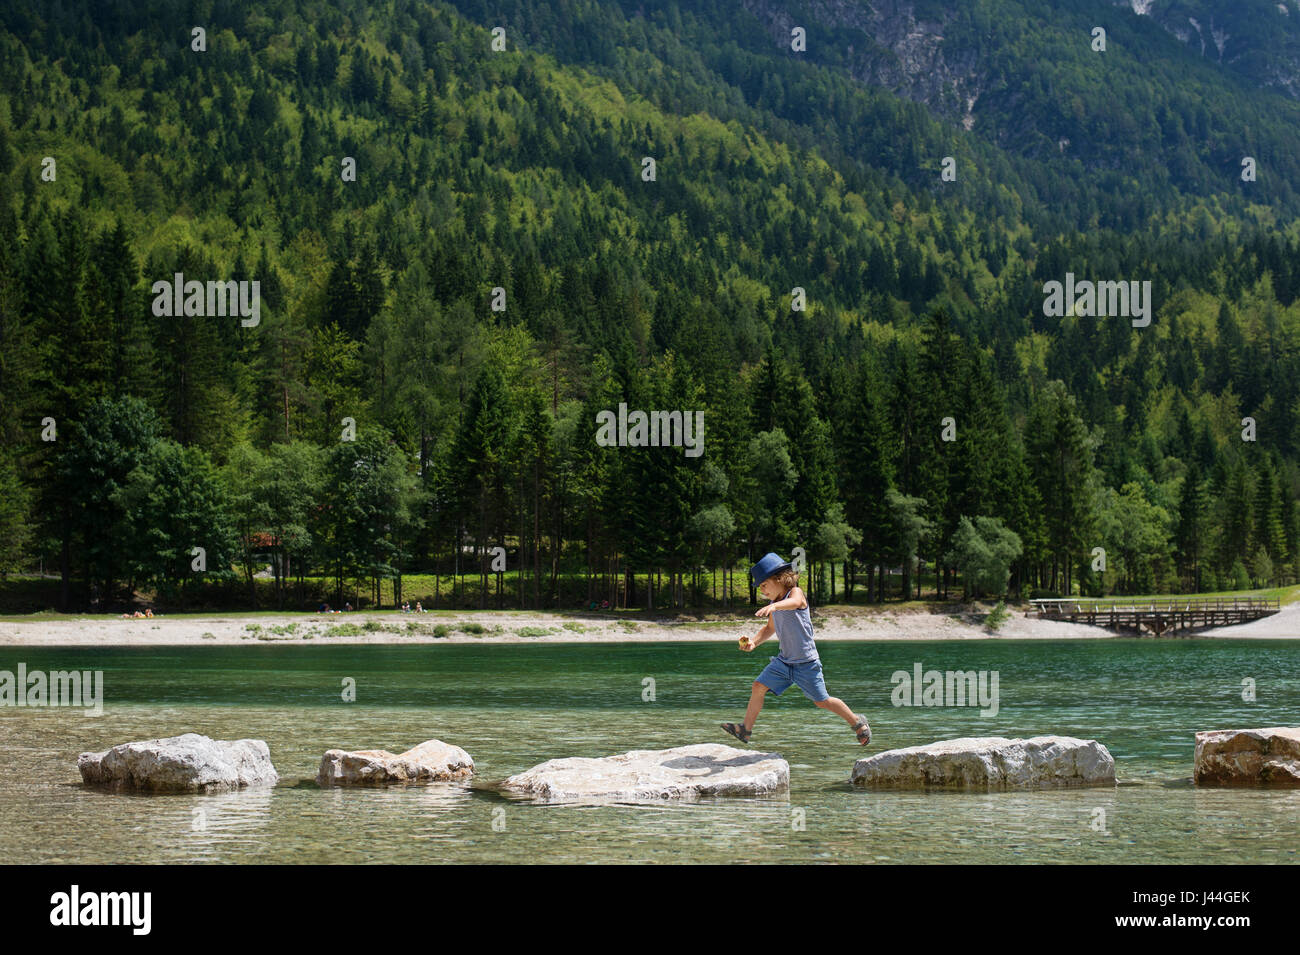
x: 744, y: 643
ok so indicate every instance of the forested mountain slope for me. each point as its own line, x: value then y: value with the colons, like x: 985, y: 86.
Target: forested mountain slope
x: 522, y: 170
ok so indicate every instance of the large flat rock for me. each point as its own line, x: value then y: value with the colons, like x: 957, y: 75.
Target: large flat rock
x: 1258, y: 757
x: 986, y: 763
x: 431, y: 761
x: 187, y: 763
x: 685, y: 772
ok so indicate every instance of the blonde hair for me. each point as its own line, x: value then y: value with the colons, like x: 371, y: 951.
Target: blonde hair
x: 786, y: 578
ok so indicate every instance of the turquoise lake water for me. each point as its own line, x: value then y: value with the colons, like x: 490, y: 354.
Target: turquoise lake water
x: 513, y: 706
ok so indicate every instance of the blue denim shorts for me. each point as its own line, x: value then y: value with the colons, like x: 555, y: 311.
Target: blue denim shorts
x: 778, y: 675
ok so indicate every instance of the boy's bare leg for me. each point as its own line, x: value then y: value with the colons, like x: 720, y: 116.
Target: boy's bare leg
x: 755, y: 704
x: 836, y: 706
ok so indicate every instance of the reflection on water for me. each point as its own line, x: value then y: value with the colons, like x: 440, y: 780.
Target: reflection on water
x: 512, y: 706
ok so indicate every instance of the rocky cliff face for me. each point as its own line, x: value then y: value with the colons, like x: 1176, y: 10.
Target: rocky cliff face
x: 891, y: 46
x: 1259, y: 42
x: 900, y: 45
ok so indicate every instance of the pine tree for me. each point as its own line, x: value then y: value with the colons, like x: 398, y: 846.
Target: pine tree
x: 534, y: 466
x: 112, y: 280
x: 1060, y: 459
x: 1189, y: 536
x: 1268, y: 532
x: 1236, y: 518
x: 17, y: 525
x: 864, y: 441
x: 483, y: 444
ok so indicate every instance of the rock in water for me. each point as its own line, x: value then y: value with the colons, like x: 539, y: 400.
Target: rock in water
x: 990, y: 763
x: 431, y: 761
x: 1259, y: 757
x: 181, y: 764
x: 685, y: 772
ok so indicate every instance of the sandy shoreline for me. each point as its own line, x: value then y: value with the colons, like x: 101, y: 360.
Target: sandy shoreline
x: 524, y: 627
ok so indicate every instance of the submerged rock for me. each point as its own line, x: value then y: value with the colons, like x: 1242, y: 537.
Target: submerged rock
x: 685, y: 772
x: 1257, y: 757
x: 431, y: 761
x: 187, y: 763
x: 990, y: 763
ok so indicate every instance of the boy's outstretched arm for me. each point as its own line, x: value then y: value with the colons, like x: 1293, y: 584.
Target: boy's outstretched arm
x: 795, y: 600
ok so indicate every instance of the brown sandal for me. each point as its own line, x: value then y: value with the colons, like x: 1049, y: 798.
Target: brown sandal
x: 863, y: 729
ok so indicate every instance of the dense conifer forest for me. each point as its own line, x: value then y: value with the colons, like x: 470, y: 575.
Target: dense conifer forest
x: 465, y: 255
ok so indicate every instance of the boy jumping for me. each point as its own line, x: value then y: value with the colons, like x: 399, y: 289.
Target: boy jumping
x: 797, y: 663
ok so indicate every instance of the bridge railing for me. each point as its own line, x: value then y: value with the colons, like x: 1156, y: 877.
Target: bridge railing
x: 1059, y: 606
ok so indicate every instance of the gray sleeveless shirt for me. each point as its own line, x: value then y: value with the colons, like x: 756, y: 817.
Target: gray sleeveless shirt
x: 795, y: 634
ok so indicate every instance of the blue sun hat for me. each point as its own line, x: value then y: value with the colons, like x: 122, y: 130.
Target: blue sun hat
x: 767, y: 566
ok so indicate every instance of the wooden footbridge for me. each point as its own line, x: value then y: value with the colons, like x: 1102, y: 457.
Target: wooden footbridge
x: 1171, y: 616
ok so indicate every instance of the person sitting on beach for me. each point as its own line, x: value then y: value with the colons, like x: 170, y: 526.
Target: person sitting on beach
x: 138, y: 615
x: 347, y: 606
x: 323, y: 608
x: 419, y: 608
x: 604, y: 605
x: 798, y: 662
x: 148, y: 611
